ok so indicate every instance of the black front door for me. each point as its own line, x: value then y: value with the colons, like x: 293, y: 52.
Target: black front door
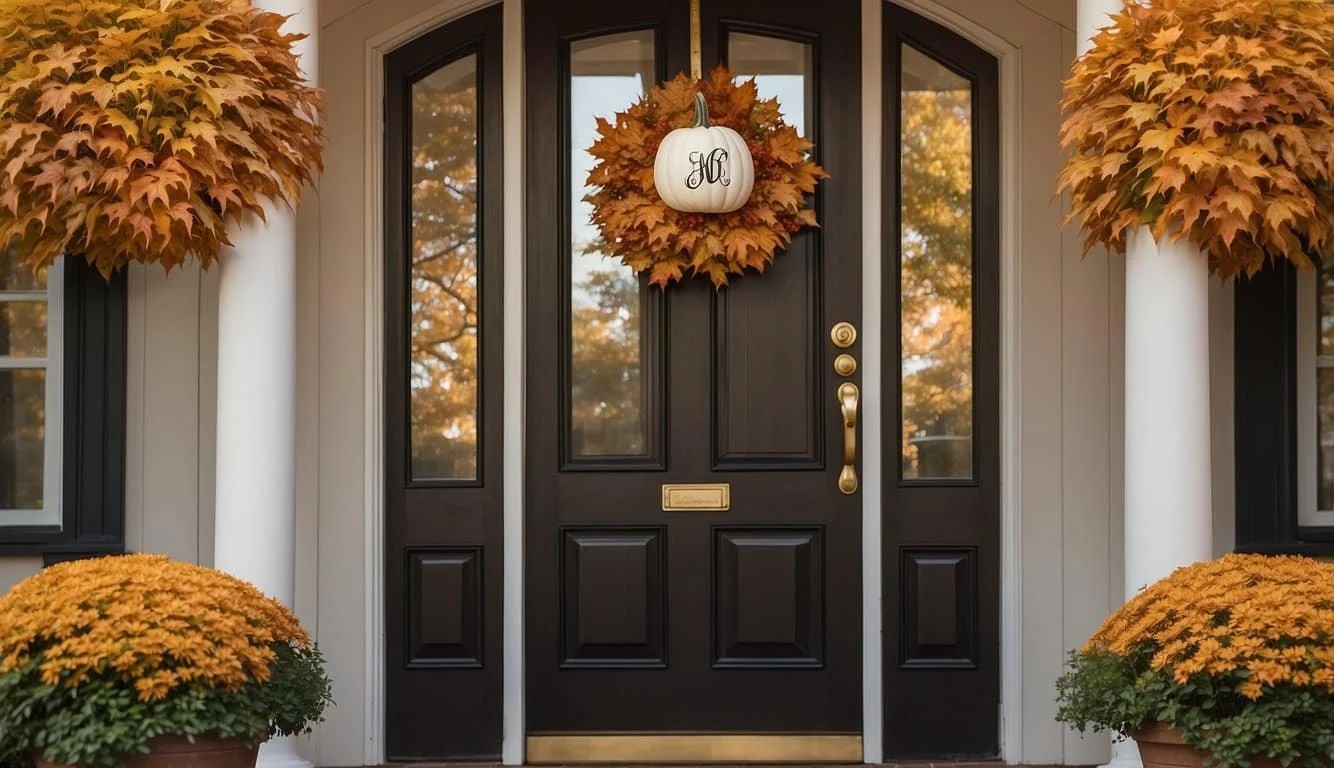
x: 693, y: 570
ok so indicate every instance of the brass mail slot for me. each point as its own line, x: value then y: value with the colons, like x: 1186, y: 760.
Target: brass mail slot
x: 696, y: 497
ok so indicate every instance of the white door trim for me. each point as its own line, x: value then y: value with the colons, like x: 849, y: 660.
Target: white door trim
x: 873, y: 678
x: 1011, y: 131
x: 377, y: 47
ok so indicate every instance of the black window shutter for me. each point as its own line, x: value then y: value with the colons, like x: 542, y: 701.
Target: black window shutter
x: 1266, y: 416
x: 93, y: 450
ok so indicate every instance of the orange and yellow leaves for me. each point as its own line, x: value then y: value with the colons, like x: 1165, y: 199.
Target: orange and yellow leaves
x: 139, y: 130
x: 648, y: 236
x: 1271, y: 616
x: 153, y: 623
x: 1211, y: 120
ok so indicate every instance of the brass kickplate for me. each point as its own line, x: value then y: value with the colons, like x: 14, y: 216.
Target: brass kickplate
x: 694, y: 748
x: 696, y: 497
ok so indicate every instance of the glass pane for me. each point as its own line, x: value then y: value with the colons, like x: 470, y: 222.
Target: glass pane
x: 608, y: 416
x: 782, y: 70
x: 1325, y: 411
x: 22, y: 329
x: 1325, y: 283
x: 22, y: 438
x: 15, y: 276
x: 443, y: 278
x: 936, y: 174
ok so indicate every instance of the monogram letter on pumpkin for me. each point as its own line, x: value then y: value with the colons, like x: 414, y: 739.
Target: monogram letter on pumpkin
x: 696, y: 166
x: 710, y: 169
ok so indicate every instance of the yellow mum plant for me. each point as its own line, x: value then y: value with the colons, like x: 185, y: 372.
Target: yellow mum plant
x: 154, y: 647
x: 1236, y: 654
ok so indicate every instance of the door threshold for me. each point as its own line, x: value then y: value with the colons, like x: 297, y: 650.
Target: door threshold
x: 694, y: 748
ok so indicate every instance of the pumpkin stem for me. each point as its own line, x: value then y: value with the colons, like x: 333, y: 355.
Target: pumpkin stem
x: 701, y: 111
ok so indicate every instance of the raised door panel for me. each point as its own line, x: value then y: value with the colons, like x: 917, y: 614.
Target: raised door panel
x: 767, y: 361
x: 613, y: 598
x: 444, y: 608
x: 768, y: 597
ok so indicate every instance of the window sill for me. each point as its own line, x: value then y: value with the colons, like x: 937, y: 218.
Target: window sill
x: 1309, y: 547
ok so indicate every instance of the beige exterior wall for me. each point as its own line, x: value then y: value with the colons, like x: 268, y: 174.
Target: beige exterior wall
x: 1069, y: 367
x: 171, y: 349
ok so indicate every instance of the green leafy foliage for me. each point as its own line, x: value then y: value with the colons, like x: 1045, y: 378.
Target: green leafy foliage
x: 1105, y: 691
x: 1211, y: 120
x: 101, y: 721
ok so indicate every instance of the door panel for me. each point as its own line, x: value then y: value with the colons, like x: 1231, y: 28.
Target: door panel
x: 744, y: 620
x: 443, y: 356
x: 941, y: 521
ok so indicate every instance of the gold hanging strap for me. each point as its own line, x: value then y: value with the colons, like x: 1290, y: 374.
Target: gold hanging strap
x: 696, y: 48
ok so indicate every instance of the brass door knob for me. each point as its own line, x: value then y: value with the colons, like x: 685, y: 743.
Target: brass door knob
x: 845, y: 364
x: 848, y: 398
x: 843, y: 335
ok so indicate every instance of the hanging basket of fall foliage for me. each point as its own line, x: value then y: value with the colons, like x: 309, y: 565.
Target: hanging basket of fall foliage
x: 646, y: 234
x: 137, y: 130
x: 1211, y: 120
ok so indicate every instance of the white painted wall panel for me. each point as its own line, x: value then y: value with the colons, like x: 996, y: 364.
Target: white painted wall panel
x: 1043, y: 433
x: 16, y: 569
x: 1222, y: 404
x: 168, y: 468
x: 338, y: 400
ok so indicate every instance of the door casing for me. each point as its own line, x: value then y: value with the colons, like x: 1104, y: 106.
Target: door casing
x: 402, y: 27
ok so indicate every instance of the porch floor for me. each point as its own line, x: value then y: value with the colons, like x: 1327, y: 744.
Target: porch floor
x: 907, y: 764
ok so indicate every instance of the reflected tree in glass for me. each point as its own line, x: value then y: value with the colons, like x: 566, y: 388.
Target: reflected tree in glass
x: 607, y: 400
x: 608, y: 396
x: 936, y: 177
x: 22, y: 389
x: 443, y: 274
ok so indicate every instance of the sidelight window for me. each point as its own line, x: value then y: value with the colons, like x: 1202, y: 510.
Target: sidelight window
x: 444, y: 297
x: 936, y: 269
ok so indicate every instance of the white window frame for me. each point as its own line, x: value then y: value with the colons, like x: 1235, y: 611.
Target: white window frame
x: 1308, y: 364
x: 50, y: 514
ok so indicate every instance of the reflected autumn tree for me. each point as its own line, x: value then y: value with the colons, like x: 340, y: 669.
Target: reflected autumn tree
x: 606, y: 376
x: 22, y: 389
x: 444, y: 287
x: 605, y: 316
x: 937, y: 282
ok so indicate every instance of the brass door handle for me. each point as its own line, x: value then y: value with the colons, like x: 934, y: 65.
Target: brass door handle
x: 848, y: 396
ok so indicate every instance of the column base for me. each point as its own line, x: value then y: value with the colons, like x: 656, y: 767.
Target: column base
x: 280, y: 752
x: 1125, y: 754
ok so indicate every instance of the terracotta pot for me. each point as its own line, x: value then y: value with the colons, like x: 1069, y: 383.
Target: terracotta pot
x: 1160, y: 746
x: 178, y: 752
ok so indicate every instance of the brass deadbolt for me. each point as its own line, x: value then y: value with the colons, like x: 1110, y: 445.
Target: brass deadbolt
x: 845, y: 365
x: 843, y: 335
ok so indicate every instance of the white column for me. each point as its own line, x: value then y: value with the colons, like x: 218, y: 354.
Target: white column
x: 1168, y: 510
x: 1169, y: 514
x: 255, y: 513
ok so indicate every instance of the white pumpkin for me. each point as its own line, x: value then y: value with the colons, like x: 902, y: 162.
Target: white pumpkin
x: 704, y: 168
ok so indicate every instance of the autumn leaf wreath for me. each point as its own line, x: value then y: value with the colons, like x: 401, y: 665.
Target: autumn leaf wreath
x: 636, y: 226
